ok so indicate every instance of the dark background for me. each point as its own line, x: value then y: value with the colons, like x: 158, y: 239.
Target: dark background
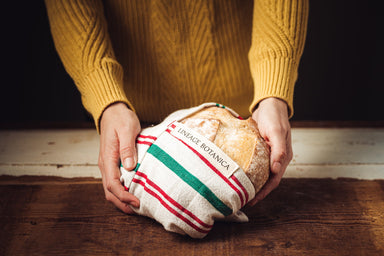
x: 340, y: 74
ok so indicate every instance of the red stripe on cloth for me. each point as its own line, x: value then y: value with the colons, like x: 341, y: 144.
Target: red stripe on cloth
x: 233, y: 177
x: 214, y: 169
x: 172, y: 123
x: 144, y: 142
x: 148, y: 137
x: 170, y: 127
x: 171, y: 200
x: 170, y: 209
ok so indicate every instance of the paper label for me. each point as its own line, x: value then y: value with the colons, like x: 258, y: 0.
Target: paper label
x: 207, y: 150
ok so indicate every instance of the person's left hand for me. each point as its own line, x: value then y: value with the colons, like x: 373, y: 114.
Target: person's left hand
x: 271, y: 117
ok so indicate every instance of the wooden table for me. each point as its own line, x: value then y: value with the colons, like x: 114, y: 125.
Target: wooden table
x: 313, y: 212
x: 58, y: 216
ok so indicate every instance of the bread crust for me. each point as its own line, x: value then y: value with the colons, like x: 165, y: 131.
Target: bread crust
x: 239, y: 139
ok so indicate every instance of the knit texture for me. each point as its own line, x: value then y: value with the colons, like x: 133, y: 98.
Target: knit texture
x: 158, y: 56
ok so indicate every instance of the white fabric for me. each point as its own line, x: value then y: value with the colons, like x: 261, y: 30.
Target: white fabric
x: 184, y: 181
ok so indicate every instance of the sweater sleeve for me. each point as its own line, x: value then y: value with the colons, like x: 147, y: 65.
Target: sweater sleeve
x: 80, y: 35
x: 278, y: 36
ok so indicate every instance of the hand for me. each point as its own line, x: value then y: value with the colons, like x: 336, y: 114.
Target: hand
x: 271, y: 117
x: 119, y: 127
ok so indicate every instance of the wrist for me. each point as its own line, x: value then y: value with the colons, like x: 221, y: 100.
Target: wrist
x: 116, y: 114
x: 116, y: 105
x: 275, y: 103
x: 113, y: 108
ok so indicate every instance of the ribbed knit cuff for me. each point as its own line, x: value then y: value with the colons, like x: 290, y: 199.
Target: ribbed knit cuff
x: 274, y: 78
x: 101, y: 88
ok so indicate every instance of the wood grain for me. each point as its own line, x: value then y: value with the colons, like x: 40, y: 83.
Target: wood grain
x: 57, y: 216
x: 318, y: 153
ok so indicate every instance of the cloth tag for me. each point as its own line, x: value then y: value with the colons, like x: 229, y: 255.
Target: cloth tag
x: 208, y: 150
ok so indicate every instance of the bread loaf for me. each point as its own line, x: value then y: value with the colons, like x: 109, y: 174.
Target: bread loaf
x: 239, y: 139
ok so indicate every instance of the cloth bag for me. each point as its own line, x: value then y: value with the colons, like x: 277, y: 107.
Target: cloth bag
x: 183, y: 180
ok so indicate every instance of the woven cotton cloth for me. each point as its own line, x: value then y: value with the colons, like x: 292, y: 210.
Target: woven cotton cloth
x: 184, y: 181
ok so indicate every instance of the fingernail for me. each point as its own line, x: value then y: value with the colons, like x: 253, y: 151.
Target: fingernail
x: 129, y: 163
x: 276, y: 167
x: 135, y: 204
x: 254, y: 202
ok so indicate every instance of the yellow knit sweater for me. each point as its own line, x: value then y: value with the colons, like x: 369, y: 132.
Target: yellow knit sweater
x: 158, y: 56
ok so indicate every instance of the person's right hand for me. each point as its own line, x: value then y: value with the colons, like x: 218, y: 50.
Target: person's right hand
x: 119, y: 127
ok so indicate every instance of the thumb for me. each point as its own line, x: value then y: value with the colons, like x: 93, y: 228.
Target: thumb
x: 127, y: 141
x: 128, y: 153
x: 278, y: 153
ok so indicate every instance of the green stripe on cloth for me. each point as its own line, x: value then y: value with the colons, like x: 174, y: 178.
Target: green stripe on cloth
x: 219, y: 105
x: 190, y: 179
x: 137, y: 167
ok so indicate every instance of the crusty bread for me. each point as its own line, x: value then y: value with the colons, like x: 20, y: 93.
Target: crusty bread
x: 239, y: 139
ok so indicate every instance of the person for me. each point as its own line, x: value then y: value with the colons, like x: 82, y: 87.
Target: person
x: 142, y: 60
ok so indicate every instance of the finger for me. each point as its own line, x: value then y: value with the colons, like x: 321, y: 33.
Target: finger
x: 271, y: 184
x: 128, y: 153
x: 276, y: 175
x: 117, y: 189
x: 253, y: 202
x: 289, y: 148
x: 114, y: 190
x: 278, y: 154
x: 124, y: 207
x: 279, y: 141
x: 127, y: 144
x: 282, y: 165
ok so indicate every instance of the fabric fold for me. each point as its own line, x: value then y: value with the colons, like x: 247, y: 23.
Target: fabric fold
x: 181, y: 184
